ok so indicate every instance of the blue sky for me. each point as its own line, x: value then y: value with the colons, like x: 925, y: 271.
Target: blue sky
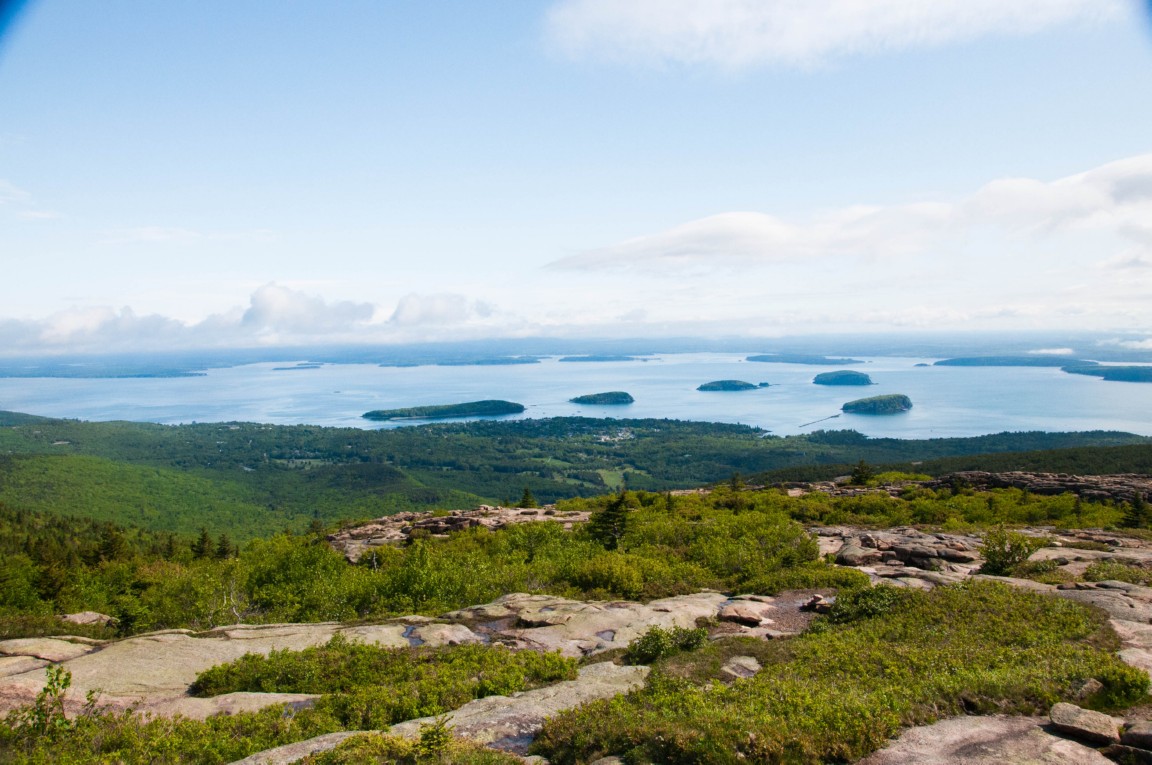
x: 223, y: 173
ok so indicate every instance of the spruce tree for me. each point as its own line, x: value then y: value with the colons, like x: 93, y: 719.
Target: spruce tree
x: 202, y: 547
x: 526, y: 499
x: 609, y: 525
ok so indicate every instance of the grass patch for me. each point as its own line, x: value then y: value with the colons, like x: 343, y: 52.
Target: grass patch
x: 840, y: 692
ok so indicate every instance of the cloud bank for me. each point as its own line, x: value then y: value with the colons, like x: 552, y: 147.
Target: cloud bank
x: 735, y: 34
x: 1112, y: 202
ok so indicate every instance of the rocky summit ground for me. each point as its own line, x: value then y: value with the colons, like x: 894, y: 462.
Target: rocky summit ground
x: 152, y: 672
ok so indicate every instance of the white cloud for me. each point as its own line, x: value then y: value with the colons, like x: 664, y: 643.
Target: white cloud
x: 276, y: 309
x: 1053, y: 352
x: 416, y: 310
x: 1029, y: 213
x: 735, y: 34
x: 739, y: 239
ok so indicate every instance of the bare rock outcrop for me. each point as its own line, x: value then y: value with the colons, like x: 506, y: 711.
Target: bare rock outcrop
x: 984, y: 741
x: 1120, y: 487
x: 511, y: 722
x: 355, y: 541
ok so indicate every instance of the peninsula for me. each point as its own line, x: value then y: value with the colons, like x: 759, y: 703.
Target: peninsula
x: 487, y: 408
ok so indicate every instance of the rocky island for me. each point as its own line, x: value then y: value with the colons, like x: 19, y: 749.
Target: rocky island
x: 892, y: 403
x: 611, y: 398
x: 842, y: 377
x: 488, y: 408
x: 730, y: 385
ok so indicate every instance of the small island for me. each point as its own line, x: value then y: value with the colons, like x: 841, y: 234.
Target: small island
x: 893, y: 403
x: 611, y: 398
x: 730, y: 385
x: 842, y: 377
x: 488, y: 408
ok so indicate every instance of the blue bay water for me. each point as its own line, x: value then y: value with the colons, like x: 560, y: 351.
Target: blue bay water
x: 948, y: 401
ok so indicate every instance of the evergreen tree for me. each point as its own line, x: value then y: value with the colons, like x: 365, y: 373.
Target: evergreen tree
x: 1136, y: 512
x: 608, y: 526
x: 224, y: 548
x: 862, y: 474
x: 527, y: 500
x: 202, y: 547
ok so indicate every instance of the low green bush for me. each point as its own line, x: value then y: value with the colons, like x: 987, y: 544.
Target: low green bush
x: 871, y: 602
x: 812, y: 576
x: 382, y: 749
x: 1102, y: 571
x: 837, y: 694
x: 1003, y: 550
x: 658, y: 643
x: 372, y: 687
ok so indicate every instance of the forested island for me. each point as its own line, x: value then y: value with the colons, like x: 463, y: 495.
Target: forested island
x: 487, y: 408
x: 611, y: 398
x: 800, y: 358
x: 1114, y: 373
x: 730, y: 385
x: 842, y: 377
x: 892, y: 403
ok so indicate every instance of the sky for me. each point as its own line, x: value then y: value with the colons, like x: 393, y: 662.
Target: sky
x: 238, y: 174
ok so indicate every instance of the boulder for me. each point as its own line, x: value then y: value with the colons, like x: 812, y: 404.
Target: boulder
x: 289, y: 753
x: 89, y: 617
x: 1084, y: 724
x: 852, y: 554
x: 748, y: 613
x: 47, y: 648
x: 229, y: 703
x: 1138, y: 734
x: 1128, y: 755
x: 511, y: 722
x: 740, y: 667
x: 984, y: 741
x: 18, y: 665
x: 444, y: 634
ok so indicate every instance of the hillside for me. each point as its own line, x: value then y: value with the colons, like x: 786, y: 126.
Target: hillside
x: 247, y: 479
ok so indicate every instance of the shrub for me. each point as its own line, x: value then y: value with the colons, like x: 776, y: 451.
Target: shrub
x: 870, y: 602
x: 814, y: 576
x: 1004, y: 550
x: 1104, y: 570
x: 658, y: 643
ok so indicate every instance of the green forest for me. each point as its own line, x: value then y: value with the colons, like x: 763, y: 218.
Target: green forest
x: 199, y: 526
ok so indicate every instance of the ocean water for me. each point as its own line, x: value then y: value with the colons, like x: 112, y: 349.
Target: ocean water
x: 947, y: 401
